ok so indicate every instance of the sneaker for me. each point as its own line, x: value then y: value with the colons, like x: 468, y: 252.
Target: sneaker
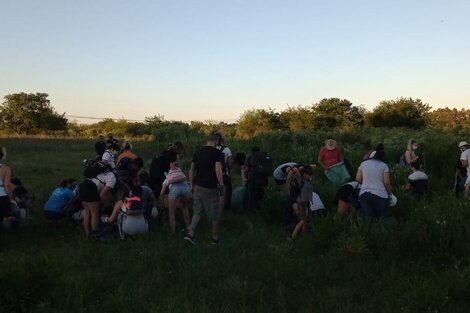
x: 190, y: 239
x: 215, y: 241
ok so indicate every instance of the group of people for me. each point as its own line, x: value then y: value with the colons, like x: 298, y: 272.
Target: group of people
x: 116, y: 190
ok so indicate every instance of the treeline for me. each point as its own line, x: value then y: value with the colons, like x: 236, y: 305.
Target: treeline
x: 32, y: 114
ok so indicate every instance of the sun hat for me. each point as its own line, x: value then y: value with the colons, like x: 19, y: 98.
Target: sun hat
x: 463, y: 144
x: 392, y: 200
x: 330, y: 144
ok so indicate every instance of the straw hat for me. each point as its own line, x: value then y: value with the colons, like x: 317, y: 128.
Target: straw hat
x: 463, y: 144
x: 330, y: 144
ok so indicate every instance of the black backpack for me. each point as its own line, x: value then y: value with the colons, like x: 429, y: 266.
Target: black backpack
x: 262, y: 164
x: 157, y: 169
x: 92, y: 168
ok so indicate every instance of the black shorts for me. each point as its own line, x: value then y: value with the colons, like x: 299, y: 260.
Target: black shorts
x: 344, y: 193
x: 4, y: 207
x: 88, y: 191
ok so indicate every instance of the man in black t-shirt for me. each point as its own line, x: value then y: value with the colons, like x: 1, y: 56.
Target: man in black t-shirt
x: 207, y: 186
x: 100, y: 147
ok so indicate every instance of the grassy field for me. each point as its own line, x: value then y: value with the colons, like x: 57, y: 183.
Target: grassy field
x: 418, y: 261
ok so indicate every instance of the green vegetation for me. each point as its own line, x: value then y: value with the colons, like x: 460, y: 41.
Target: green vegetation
x: 32, y: 114
x: 418, y: 261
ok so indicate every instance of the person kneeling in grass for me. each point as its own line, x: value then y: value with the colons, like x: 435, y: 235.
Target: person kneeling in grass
x: 129, y: 214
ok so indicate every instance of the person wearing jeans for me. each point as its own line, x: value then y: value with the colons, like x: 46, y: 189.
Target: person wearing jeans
x: 373, y: 175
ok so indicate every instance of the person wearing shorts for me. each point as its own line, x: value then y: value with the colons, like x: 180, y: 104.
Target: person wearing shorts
x: 207, y: 185
x: 176, y: 184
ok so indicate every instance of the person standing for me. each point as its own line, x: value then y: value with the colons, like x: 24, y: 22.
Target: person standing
x: 6, y: 187
x: 374, y: 177
x: 410, y: 154
x: 465, y: 159
x: 226, y: 166
x: 207, y: 186
x: 100, y: 147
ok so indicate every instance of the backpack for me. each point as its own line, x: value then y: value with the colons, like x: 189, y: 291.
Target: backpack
x: 93, y: 168
x: 262, y: 164
x: 133, y: 205
x: 157, y: 169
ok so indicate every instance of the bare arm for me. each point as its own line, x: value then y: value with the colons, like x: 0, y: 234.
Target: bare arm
x: 359, y: 176
x: 320, y: 161
x: 218, y: 173
x: 409, y: 158
x: 192, y: 172
x: 387, y: 184
x: 7, y: 180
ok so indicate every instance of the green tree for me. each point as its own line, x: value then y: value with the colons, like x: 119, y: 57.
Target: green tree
x: 257, y: 121
x: 337, y: 113
x: 449, y: 118
x: 403, y: 112
x: 297, y: 118
x: 30, y: 114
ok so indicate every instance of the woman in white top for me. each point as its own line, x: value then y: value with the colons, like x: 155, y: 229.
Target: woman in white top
x: 374, y: 177
x: 6, y: 187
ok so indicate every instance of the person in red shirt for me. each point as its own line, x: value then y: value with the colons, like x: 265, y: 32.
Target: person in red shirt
x: 330, y: 154
x: 331, y: 159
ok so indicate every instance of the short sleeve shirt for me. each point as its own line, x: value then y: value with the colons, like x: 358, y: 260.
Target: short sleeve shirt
x: 329, y: 157
x: 372, y: 177
x: 204, y: 160
x: 280, y: 171
x: 466, y: 156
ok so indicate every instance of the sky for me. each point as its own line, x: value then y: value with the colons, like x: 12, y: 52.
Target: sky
x: 215, y: 59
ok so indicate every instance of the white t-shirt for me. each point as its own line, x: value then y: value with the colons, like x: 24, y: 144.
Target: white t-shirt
x: 279, y: 173
x: 227, y: 154
x: 108, y: 158
x: 418, y: 175
x: 105, y: 179
x: 466, y: 156
x: 372, y: 177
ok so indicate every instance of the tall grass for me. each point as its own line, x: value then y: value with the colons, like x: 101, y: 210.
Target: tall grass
x: 418, y: 261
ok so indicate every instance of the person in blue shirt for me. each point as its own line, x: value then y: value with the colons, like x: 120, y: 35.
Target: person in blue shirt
x: 54, y: 207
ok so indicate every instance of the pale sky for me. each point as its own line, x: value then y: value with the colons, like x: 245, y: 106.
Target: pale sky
x: 214, y: 59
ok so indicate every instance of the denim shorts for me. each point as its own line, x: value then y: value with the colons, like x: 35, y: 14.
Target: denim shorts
x: 178, y: 190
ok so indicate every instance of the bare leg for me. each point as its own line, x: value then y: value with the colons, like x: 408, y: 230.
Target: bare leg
x: 300, y: 226
x: 86, y: 218
x: 112, y: 218
x: 184, y: 207
x: 95, y: 215
x: 193, y: 225
x: 171, y: 213
x: 215, y: 230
